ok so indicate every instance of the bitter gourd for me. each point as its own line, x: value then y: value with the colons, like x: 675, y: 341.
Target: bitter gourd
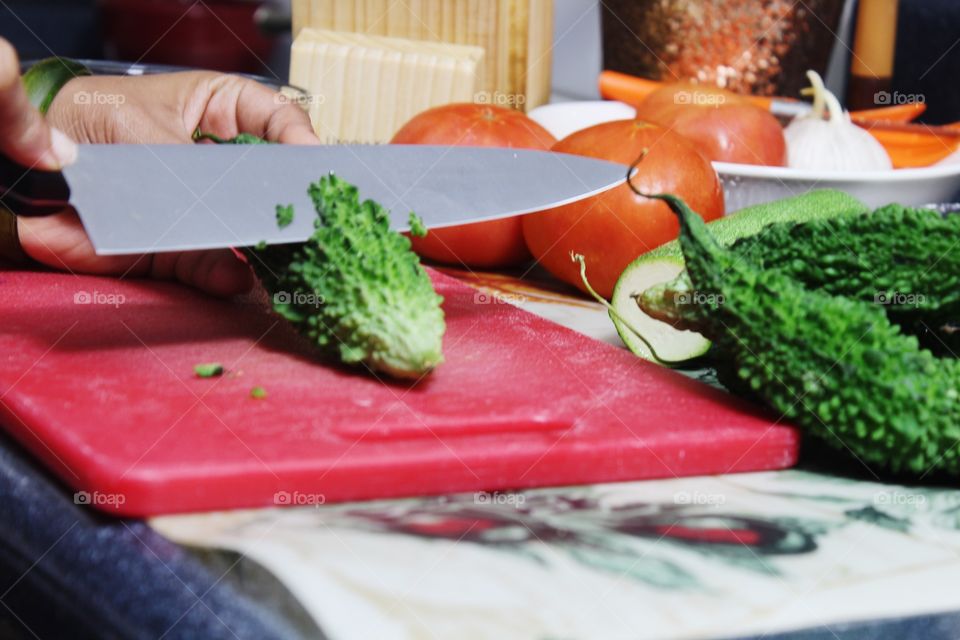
x: 834, y: 366
x: 901, y: 258
x: 355, y: 288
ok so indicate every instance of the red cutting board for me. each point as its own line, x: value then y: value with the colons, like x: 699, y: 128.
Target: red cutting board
x: 97, y: 381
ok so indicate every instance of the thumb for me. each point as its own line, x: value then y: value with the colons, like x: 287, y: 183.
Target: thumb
x: 25, y: 136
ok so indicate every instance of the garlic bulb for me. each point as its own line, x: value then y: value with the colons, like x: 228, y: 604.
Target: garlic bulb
x: 831, y: 145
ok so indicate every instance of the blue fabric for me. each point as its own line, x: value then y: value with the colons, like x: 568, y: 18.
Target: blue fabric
x: 67, y: 572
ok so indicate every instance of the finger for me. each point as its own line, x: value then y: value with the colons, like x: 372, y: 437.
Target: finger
x: 293, y: 131
x: 24, y: 135
x: 218, y: 272
x: 271, y: 115
x: 60, y: 241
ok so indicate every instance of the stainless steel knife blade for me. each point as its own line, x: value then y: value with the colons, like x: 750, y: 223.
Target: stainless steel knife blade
x: 158, y: 198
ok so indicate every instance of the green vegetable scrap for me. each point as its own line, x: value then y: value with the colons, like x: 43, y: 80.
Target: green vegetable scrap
x: 355, y: 288
x: 417, y: 228
x: 834, y: 366
x: 284, y: 216
x: 208, y: 370
x: 243, y: 138
x: 258, y: 393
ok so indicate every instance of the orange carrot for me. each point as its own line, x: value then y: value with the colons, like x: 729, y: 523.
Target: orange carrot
x: 950, y: 131
x: 633, y: 90
x: 626, y: 88
x: 894, y: 113
x: 917, y: 146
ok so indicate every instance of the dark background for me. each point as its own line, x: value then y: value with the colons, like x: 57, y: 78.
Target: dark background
x: 69, y: 27
x: 217, y: 34
x: 928, y: 54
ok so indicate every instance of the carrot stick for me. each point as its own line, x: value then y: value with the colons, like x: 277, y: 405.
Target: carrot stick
x: 894, y: 113
x: 939, y: 131
x: 633, y: 90
x: 626, y: 88
x: 913, y: 148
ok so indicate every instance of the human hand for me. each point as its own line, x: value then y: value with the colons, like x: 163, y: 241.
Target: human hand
x: 169, y: 107
x: 165, y: 108
x: 25, y: 136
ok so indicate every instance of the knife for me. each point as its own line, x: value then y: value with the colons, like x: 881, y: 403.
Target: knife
x: 156, y: 198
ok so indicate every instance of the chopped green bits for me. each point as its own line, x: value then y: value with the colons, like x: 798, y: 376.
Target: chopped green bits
x: 417, y: 229
x: 208, y: 370
x: 284, y: 215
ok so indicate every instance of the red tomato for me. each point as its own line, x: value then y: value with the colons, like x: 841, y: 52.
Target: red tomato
x: 497, y: 243
x: 612, y: 228
x: 725, y: 126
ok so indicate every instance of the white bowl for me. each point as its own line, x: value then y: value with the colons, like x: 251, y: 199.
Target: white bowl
x: 745, y: 184
x: 563, y: 118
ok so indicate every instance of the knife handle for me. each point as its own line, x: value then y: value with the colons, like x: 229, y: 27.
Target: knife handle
x: 30, y: 192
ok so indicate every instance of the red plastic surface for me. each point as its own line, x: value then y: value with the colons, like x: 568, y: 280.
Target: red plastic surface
x: 97, y: 380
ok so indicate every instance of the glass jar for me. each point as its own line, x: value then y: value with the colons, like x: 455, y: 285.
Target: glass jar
x: 763, y: 47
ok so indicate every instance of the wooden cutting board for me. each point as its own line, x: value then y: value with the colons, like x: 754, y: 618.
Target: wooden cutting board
x: 97, y: 381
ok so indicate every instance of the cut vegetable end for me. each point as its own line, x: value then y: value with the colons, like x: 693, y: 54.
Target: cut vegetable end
x: 576, y: 257
x: 665, y: 263
x: 646, y: 337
